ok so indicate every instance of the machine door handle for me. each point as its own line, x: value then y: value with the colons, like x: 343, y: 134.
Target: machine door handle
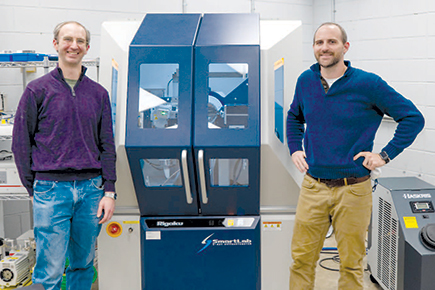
x: 189, y: 198
x: 202, y: 176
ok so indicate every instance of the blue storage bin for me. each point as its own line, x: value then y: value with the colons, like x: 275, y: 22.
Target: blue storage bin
x: 19, y: 56
x: 36, y: 56
x: 5, y: 57
x: 53, y: 57
x: 27, y: 57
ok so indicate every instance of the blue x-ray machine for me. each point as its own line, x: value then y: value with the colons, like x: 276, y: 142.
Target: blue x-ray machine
x: 193, y: 147
x: 190, y: 130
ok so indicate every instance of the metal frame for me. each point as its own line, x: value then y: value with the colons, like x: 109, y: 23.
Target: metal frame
x: 46, y: 64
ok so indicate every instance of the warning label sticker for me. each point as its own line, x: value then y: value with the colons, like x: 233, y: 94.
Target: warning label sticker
x: 272, y: 226
x: 410, y: 222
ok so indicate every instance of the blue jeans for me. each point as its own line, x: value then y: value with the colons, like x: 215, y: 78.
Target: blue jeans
x: 66, y: 225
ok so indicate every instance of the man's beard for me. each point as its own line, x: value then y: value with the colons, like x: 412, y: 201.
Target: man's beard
x: 334, y: 61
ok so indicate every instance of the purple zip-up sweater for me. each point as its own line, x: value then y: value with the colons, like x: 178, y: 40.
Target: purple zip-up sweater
x: 64, y: 134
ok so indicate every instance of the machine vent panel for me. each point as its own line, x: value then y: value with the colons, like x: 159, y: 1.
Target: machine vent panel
x: 393, y: 249
x: 387, y: 245
x: 380, y: 232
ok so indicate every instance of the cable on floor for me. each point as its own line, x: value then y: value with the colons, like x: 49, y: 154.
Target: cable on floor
x: 335, y: 259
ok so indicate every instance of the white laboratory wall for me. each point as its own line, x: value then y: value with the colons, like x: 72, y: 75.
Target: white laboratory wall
x: 393, y: 38
x: 28, y: 24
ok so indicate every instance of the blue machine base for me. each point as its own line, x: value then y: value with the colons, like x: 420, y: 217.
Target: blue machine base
x: 200, y: 253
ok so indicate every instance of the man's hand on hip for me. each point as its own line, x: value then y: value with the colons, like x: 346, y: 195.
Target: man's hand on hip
x: 298, y: 158
x: 371, y: 160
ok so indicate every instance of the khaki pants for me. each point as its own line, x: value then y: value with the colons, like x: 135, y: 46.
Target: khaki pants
x: 350, y: 209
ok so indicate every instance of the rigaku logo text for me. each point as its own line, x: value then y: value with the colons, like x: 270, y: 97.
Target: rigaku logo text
x: 169, y: 224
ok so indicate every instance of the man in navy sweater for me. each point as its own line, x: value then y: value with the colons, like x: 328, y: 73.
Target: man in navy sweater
x: 335, y: 113
x: 64, y: 150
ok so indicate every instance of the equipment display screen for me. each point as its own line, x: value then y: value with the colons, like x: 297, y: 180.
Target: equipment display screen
x: 421, y: 205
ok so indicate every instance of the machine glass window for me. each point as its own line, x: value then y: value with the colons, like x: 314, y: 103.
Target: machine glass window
x: 158, y: 95
x: 279, y: 99
x: 228, y: 96
x: 161, y: 172
x: 229, y: 172
x: 114, y: 93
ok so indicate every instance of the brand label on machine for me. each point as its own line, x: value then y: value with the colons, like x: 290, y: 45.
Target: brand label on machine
x: 207, y: 242
x: 189, y: 223
x: 416, y: 195
x: 169, y: 224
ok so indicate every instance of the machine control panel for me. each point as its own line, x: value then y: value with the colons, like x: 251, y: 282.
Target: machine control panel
x: 236, y: 222
x: 421, y: 206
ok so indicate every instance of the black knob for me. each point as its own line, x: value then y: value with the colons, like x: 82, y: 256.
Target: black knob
x: 427, y: 236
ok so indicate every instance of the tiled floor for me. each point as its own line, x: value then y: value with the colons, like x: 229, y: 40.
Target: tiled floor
x: 328, y: 280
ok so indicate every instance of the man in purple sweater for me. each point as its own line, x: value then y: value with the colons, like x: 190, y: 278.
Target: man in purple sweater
x: 64, y: 151
x: 331, y: 126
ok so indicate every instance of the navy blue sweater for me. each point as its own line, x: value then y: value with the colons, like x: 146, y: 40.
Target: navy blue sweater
x: 62, y: 134
x: 344, y: 121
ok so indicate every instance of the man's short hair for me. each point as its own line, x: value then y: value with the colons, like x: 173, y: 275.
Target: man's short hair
x: 62, y: 24
x: 343, y: 32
